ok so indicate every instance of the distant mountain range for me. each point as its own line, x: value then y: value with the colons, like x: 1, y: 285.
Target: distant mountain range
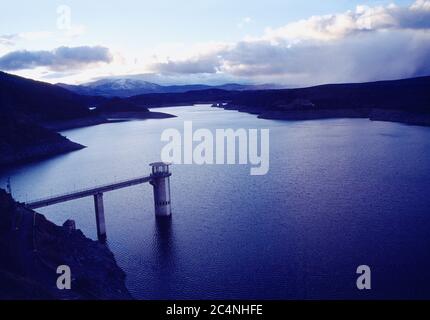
x: 127, y: 87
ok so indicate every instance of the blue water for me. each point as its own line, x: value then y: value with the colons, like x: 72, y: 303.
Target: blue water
x: 340, y: 193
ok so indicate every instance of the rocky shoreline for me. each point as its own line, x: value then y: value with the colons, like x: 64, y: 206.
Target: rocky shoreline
x: 410, y: 118
x: 405, y: 101
x: 36, y: 152
x: 43, y: 140
x: 74, y: 123
x: 31, y: 249
x: 23, y: 140
x: 130, y: 115
x: 312, y: 113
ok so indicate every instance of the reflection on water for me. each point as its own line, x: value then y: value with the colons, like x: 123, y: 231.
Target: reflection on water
x: 163, y: 240
x: 339, y: 193
x: 163, y: 254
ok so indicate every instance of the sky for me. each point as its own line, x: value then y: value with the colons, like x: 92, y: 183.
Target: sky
x: 288, y: 42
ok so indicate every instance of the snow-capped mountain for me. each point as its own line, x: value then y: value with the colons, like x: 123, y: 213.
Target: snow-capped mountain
x: 127, y: 87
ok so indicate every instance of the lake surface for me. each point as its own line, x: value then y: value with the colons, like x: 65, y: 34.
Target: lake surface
x: 339, y: 193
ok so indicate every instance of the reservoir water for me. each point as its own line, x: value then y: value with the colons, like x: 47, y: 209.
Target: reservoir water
x: 339, y: 193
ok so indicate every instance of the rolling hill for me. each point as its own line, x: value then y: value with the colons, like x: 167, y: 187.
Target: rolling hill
x: 28, y: 108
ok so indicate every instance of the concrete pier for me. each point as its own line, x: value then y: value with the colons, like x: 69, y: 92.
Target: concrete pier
x: 100, y: 216
x: 161, y: 185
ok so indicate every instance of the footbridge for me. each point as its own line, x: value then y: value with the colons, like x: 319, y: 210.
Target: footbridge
x: 159, y: 179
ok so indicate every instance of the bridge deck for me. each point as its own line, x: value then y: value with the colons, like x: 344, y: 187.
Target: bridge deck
x: 85, y: 192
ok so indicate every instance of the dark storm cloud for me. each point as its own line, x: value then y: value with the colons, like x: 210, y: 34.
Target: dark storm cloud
x: 364, y: 57
x: 370, y: 43
x: 204, y: 64
x: 62, y: 58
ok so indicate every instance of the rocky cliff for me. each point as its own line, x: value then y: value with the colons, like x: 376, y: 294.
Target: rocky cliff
x: 31, y: 249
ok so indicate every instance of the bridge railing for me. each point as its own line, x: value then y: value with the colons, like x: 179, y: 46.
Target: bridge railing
x: 159, y: 179
x: 84, y: 192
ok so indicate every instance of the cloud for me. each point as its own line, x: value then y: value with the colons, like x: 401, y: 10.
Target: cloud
x: 11, y: 39
x: 60, y: 59
x: 202, y: 64
x: 369, y: 43
x: 8, y: 39
x: 362, y: 19
x: 363, y: 57
x: 243, y: 22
